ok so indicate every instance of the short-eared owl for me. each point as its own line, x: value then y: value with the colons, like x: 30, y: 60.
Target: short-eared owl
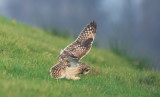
x: 69, y: 59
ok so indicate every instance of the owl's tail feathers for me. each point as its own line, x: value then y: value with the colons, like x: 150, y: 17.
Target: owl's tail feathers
x: 52, y: 72
x: 57, y: 71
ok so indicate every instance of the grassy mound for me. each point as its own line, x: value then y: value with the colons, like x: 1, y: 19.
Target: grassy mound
x: 27, y: 53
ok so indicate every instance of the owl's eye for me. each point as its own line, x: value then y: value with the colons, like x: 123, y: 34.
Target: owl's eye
x: 87, y: 70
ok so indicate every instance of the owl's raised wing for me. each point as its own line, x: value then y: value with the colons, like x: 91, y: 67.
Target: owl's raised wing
x: 82, y: 45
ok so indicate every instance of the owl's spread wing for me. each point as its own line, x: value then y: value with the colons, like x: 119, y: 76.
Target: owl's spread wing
x: 82, y: 45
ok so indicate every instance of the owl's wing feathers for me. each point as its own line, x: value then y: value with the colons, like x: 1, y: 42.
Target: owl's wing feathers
x: 82, y: 45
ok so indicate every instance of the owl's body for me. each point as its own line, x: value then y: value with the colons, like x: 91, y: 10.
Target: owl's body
x: 69, y: 59
x: 62, y: 71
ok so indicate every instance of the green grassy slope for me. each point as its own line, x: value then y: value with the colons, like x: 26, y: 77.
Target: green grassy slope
x: 27, y: 53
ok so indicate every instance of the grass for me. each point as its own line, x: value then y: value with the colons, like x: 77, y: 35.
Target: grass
x: 27, y: 53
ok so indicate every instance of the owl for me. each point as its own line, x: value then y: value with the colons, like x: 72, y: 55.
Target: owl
x: 69, y: 59
x: 62, y: 70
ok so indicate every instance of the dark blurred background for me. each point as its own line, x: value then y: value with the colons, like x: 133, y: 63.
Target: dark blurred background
x: 127, y: 27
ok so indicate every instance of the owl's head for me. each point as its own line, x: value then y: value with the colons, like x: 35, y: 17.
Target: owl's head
x: 84, y: 68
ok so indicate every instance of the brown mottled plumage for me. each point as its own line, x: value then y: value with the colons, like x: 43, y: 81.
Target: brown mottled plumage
x: 82, y: 45
x: 69, y: 65
x: 61, y: 70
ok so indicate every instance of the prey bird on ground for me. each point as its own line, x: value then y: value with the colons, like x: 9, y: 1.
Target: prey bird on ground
x: 69, y: 59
